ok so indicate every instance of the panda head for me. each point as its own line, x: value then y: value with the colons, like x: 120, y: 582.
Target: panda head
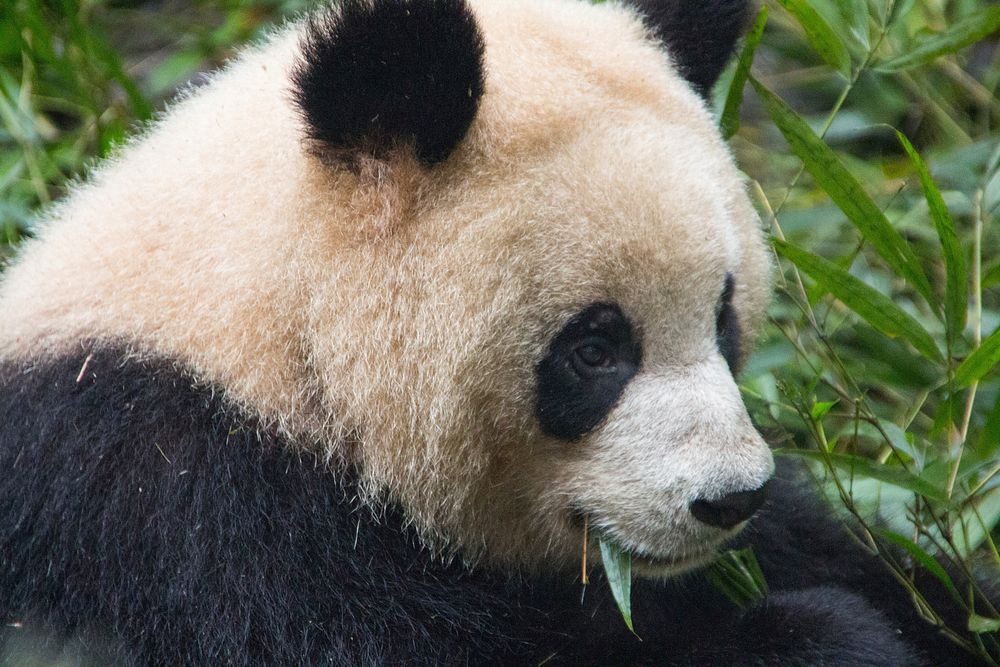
x: 551, y: 274
x: 493, y: 256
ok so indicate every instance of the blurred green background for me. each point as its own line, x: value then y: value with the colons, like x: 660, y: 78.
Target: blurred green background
x: 879, y: 362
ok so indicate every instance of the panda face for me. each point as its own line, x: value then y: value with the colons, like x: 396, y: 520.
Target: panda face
x: 635, y: 395
x: 585, y: 323
x: 652, y: 466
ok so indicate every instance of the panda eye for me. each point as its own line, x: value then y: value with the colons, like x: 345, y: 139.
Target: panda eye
x: 585, y: 371
x: 593, y: 356
x: 727, y: 326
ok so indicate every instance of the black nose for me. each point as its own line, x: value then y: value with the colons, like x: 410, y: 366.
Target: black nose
x: 727, y: 511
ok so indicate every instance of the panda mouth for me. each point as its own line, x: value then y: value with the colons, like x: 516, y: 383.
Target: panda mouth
x: 645, y: 561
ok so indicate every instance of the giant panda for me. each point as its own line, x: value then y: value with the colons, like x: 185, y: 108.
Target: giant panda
x: 331, y: 364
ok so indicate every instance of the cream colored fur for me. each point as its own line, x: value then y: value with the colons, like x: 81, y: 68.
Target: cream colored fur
x: 397, y: 315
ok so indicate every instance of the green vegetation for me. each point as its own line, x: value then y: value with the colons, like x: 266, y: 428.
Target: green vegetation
x: 76, y: 76
x: 868, y: 130
x: 870, y: 141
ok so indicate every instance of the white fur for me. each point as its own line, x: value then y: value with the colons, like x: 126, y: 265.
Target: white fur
x: 410, y: 306
x: 680, y: 434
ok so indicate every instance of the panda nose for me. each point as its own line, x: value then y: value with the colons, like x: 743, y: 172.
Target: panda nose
x: 727, y: 511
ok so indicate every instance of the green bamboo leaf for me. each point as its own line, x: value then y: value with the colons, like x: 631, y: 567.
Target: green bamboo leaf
x: 819, y: 34
x: 954, y: 259
x: 819, y: 410
x: 730, y: 121
x: 980, y: 624
x: 862, y: 467
x: 871, y: 305
x: 899, y: 8
x: 845, y: 191
x: 982, y: 360
x: 618, y: 567
x: 855, y: 15
x: 964, y: 32
x: 737, y: 575
x: 989, y: 438
x: 978, y: 519
x: 928, y: 562
x: 991, y: 277
x: 903, y: 443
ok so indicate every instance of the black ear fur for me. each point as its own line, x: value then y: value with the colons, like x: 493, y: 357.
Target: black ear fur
x: 700, y: 34
x: 377, y: 74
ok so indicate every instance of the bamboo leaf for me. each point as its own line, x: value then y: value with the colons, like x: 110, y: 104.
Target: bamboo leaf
x: 991, y: 277
x: 738, y: 576
x: 989, y: 439
x: 871, y: 305
x: 819, y: 410
x: 862, y: 467
x: 982, y: 360
x: 954, y: 259
x: 980, y: 624
x: 855, y: 15
x: 962, y: 33
x: 928, y: 562
x: 730, y: 121
x: 899, y: 8
x: 819, y: 34
x: 845, y: 191
x: 618, y: 567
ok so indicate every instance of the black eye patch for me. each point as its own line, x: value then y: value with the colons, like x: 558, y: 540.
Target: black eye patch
x: 585, y: 371
x: 727, y: 327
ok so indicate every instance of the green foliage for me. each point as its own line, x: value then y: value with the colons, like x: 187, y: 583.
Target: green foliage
x: 618, y: 568
x: 869, y: 138
x: 739, y: 577
x: 873, y: 154
x: 76, y: 76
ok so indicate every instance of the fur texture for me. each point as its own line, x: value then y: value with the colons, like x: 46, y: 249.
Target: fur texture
x: 591, y: 173
x: 700, y: 35
x: 168, y: 526
x: 377, y: 74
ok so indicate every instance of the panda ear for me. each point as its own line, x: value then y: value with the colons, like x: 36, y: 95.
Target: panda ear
x: 699, y: 34
x: 376, y: 75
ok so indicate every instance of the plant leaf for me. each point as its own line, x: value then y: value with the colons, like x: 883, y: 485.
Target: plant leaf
x: 730, y: 121
x: 980, y: 624
x: 928, y: 562
x: 618, y: 567
x: 991, y: 277
x: 819, y: 410
x: 857, y: 465
x: 738, y: 576
x: 855, y: 15
x: 962, y: 33
x: 955, y: 302
x: 902, y: 442
x: 819, y: 34
x: 874, y: 307
x: 982, y: 360
x: 845, y: 191
x: 989, y: 439
x: 899, y: 8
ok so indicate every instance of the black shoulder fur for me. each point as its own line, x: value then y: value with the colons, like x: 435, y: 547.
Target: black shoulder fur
x: 377, y: 74
x: 146, y: 520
